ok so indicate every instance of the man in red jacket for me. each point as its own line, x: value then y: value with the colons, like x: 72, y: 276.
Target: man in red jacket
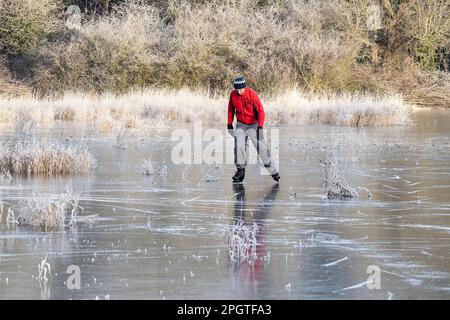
x: 245, y: 104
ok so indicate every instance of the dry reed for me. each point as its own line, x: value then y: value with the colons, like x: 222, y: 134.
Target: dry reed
x: 50, y: 211
x: 139, y: 111
x: 32, y: 157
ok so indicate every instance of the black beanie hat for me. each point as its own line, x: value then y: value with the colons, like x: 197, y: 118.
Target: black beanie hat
x: 239, y: 83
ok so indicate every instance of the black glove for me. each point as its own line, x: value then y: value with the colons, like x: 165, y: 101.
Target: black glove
x: 230, y: 129
x: 260, y: 133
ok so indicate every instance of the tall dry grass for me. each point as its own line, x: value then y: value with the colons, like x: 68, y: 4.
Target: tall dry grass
x: 32, y: 157
x: 50, y: 211
x: 148, y: 109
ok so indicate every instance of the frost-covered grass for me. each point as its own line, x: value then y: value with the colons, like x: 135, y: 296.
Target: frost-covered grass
x: 242, y: 242
x: 147, y: 169
x: 46, y: 157
x: 351, y: 110
x: 50, y: 211
x: 155, y: 108
x: 338, y: 158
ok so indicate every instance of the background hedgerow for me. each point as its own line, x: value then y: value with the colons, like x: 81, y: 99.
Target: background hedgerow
x: 125, y: 45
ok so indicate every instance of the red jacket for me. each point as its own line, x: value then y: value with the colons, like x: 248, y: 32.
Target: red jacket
x: 248, y: 108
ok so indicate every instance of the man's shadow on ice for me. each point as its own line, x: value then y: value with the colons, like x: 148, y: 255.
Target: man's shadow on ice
x: 246, y: 236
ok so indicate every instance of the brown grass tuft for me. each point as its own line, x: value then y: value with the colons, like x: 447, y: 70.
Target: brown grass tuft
x: 45, y: 158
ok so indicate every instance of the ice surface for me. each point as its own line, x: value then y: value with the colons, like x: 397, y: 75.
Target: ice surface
x: 166, y: 235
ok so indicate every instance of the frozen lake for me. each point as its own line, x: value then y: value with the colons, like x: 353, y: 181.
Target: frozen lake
x: 165, y: 237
